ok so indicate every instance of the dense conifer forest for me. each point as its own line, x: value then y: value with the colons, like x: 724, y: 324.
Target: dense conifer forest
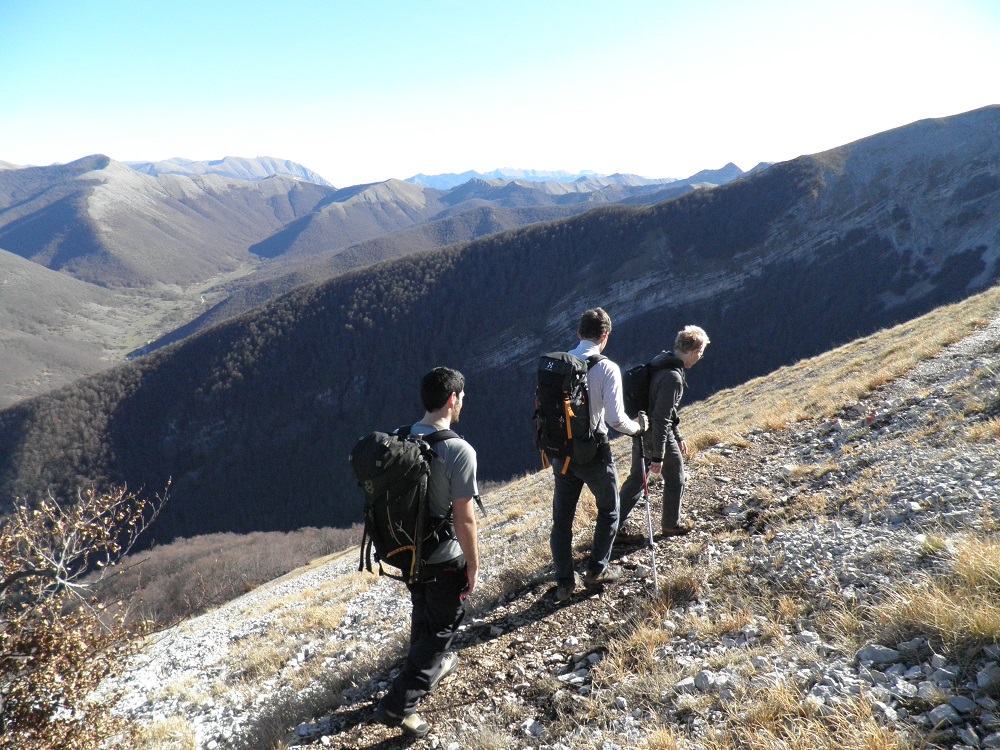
x: 251, y: 421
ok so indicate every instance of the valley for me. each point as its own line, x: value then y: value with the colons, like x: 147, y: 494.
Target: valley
x: 246, y: 416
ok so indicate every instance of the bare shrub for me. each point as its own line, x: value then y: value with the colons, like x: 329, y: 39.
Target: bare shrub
x: 56, y: 643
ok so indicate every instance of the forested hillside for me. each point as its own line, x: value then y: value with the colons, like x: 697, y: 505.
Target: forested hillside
x: 252, y: 420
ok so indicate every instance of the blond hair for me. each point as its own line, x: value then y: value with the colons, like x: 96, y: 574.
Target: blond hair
x: 691, y: 339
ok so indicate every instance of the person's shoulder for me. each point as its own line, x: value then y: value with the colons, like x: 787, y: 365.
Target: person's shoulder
x: 458, y: 444
x: 606, y: 364
x: 667, y: 375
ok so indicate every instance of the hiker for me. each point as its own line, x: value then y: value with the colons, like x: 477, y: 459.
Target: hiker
x: 604, y: 389
x: 662, y: 447
x: 450, y: 573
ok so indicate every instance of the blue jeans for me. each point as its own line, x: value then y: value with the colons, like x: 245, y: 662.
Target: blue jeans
x: 601, y: 478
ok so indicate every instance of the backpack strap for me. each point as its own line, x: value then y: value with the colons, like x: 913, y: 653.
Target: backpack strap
x: 593, y: 359
x: 433, y: 438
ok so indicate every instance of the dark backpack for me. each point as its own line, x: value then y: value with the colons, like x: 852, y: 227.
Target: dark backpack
x: 635, y: 386
x: 393, y: 472
x: 562, y: 411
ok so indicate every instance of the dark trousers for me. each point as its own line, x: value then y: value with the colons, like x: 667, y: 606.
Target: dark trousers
x: 438, y: 610
x: 672, y: 473
x: 600, y: 476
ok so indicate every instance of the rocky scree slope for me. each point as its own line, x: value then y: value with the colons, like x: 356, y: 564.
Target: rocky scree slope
x: 825, y: 516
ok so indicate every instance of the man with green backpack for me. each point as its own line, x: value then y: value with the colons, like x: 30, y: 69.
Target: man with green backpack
x: 448, y: 566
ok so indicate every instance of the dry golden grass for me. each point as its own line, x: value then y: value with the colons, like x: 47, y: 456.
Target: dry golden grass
x: 959, y: 611
x: 777, y: 718
x: 869, y: 492
x: 820, y: 386
x: 710, y: 438
x: 488, y: 738
x: 312, y: 618
x: 173, y: 733
x: 186, y: 689
x: 260, y: 657
x: 984, y: 431
x: 789, y: 608
x: 727, y: 622
x: 629, y: 668
x: 663, y: 738
x: 681, y: 584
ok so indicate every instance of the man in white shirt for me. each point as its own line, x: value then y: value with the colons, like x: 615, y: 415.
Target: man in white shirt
x: 604, y: 388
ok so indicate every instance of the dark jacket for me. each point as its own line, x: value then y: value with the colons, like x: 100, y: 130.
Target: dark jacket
x: 666, y: 388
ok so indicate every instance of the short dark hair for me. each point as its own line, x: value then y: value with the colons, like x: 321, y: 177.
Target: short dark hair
x: 437, y: 385
x: 594, y: 324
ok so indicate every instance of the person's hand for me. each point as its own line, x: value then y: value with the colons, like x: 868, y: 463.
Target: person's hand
x: 643, y: 421
x: 655, y: 468
x: 472, y: 577
x: 684, y: 449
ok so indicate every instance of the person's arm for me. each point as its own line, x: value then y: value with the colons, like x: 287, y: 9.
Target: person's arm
x: 678, y: 393
x: 661, y: 412
x: 464, y: 488
x: 467, y: 533
x: 614, y: 402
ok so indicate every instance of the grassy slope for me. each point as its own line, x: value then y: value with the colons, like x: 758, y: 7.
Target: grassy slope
x: 515, y: 538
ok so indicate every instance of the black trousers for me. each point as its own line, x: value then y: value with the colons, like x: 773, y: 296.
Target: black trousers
x: 672, y: 473
x: 438, y: 610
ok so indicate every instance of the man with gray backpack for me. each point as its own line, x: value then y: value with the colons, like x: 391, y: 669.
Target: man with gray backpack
x: 439, y: 556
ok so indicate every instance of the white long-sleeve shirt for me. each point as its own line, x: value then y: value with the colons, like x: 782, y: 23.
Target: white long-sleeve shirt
x: 604, y: 386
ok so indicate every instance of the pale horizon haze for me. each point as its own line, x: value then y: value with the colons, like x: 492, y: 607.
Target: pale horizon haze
x: 364, y: 92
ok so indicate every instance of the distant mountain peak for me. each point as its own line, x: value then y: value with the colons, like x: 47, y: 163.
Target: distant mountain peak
x: 234, y: 167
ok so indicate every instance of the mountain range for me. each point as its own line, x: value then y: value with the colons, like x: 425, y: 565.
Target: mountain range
x: 446, y: 181
x: 189, y: 250
x: 251, y: 420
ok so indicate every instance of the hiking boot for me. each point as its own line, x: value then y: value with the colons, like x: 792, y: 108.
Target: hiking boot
x: 610, y: 574
x: 412, y: 725
x: 631, y: 540
x: 682, y: 528
x: 448, y: 665
x: 565, y: 589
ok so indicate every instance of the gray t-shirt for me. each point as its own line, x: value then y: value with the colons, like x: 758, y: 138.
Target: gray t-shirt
x: 453, y: 477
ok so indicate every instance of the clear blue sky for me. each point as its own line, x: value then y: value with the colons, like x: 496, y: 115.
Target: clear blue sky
x: 364, y: 90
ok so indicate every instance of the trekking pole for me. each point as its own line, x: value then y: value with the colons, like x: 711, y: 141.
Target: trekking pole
x: 649, y: 527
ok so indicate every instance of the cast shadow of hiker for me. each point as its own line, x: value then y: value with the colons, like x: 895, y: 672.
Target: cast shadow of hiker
x: 342, y: 727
